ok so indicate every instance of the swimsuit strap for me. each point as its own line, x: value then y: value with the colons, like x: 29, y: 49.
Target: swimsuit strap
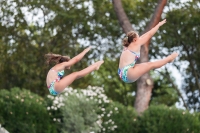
x: 60, y: 73
x: 134, y: 53
x: 137, y: 54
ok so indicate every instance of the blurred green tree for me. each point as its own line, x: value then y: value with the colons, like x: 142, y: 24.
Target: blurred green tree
x: 29, y: 29
x: 63, y: 27
x: 182, y: 34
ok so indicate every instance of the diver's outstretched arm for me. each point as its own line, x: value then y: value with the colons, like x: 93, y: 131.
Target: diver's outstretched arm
x: 145, y: 37
x: 74, y: 60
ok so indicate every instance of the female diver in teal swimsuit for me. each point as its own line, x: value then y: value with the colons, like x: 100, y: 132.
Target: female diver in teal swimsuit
x: 129, y: 71
x: 55, y: 81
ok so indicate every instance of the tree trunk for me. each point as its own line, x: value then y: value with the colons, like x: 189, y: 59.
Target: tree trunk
x: 122, y: 17
x: 145, y: 82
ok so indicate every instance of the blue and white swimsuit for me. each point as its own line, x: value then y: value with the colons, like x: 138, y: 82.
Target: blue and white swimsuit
x: 51, y: 86
x: 123, y: 72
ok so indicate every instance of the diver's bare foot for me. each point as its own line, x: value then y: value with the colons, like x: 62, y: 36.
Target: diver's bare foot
x: 172, y: 57
x: 98, y: 64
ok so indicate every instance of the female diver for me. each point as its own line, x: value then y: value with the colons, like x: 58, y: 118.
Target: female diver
x: 129, y: 71
x: 56, y: 81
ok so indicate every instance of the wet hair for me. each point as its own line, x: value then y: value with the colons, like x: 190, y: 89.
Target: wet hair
x: 56, y: 58
x: 129, y: 38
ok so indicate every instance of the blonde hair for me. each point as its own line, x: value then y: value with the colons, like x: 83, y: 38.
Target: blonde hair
x: 56, y: 58
x: 129, y: 38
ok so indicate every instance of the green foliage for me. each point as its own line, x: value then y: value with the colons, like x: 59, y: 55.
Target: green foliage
x: 91, y: 108
x: 64, y: 28
x: 181, y: 33
x: 167, y: 120
x: 139, y: 12
x: 85, y: 111
x: 123, y: 117
x: 23, y: 111
x: 79, y: 115
x: 82, y: 110
x: 24, y: 42
x: 154, y: 120
x: 163, y: 91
